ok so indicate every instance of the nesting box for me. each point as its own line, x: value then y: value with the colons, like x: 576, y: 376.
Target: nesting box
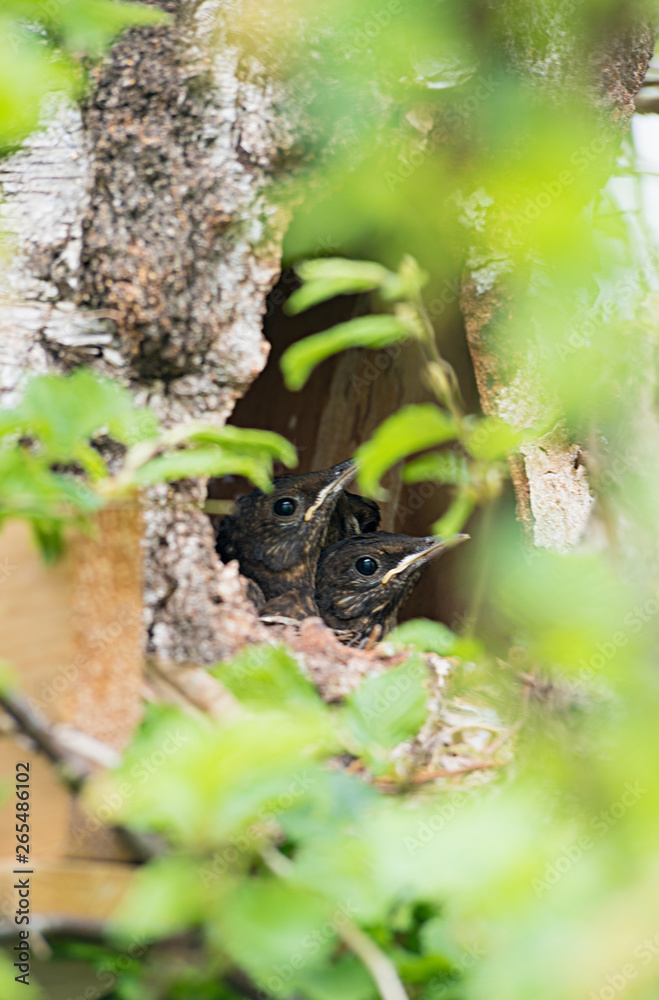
x: 73, y: 633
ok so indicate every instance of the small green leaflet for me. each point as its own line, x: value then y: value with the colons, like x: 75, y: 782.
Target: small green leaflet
x: 412, y: 429
x: 366, y: 331
x: 326, y: 277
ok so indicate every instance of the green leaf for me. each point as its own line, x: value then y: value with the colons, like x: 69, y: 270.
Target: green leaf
x: 9, y: 988
x: 342, y: 979
x: 243, y: 440
x: 272, y: 928
x: 412, y: 429
x: 448, y: 467
x: 190, y: 463
x: 27, y: 73
x: 331, y: 268
x: 390, y: 708
x: 433, y: 637
x: 267, y: 675
x: 324, y: 278
x: 165, y: 897
x: 313, y: 292
x: 366, y: 331
x: 425, y: 635
x: 455, y: 518
x: 64, y: 412
x: 492, y: 440
x: 90, y: 25
x: 207, y: 784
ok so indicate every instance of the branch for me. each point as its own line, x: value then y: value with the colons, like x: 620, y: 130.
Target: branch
x: 73, y: 766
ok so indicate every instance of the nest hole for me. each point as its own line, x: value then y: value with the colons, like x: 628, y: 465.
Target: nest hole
x: 341, y: 405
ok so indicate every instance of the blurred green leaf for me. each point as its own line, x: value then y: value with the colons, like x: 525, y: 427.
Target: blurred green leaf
x: 187, y: 464
x: 389, y: 708
x: 411, y: 429
x: 35, y: 64
x: 268, y: 926
x: 325, y: 277
x: 455, y: 518
x: 203, y: 786
x: 90, y: 25
x: 331, y: 268
x: 165, y: 897
x: 492, y: 440
x: 448, y: 467
x: 433, y: 637
x: 366, y: 331
x: 10, y: 989
x: 264, y: 674
x: 27, y: 73
x: 311, y: 293
x: 344, y: 978
x: 242, y: 439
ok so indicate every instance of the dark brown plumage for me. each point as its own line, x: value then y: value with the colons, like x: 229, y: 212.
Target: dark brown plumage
x: 361, y: 582
x: 353, y: 515
x: 277, y: 537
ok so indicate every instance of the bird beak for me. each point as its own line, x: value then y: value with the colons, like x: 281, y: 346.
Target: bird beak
x: 342, y: 475
x: 434, y: 548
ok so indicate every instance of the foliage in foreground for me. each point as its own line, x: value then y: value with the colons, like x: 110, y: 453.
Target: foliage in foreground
x: 294, y: 870
x: 52, y: 472
x: 42, y: 49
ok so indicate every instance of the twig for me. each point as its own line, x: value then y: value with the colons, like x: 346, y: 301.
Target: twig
x: 423, y: 777
x: 72, y: 766
x: 382, y: 969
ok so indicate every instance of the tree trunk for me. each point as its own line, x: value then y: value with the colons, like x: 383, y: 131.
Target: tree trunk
x: 146, y: 235
x: 551, y: 480
x: 146, y: 238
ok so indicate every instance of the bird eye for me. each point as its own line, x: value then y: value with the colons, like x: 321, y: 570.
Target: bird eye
x: 366, y: 566
x: 285, y: 507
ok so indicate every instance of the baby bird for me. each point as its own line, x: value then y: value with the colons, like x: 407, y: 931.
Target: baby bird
x: 361, y: 582
x: 353, y: 515
x: 277, y: 537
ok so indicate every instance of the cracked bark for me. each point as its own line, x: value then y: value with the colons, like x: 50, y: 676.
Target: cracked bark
x: 143, y: 238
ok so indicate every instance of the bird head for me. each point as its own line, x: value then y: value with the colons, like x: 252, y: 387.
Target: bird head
x: 352, y: 515
x: 362, y: 581
x: 286, y: 526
